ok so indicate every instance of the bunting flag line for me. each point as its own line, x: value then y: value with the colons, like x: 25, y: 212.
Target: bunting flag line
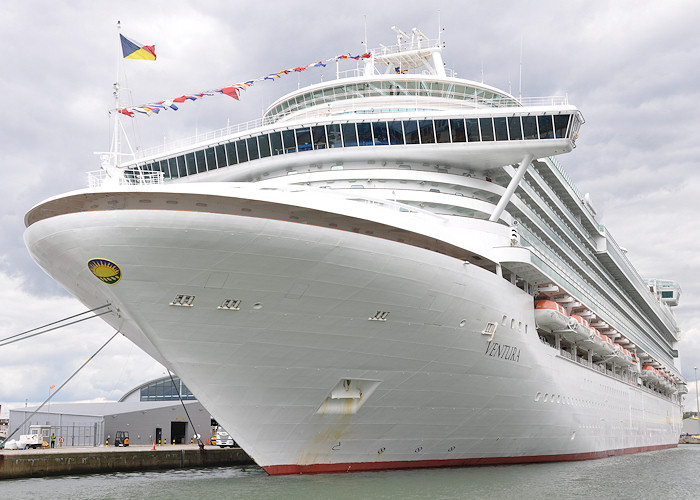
x: 134, y: 50
x: 232, y: 90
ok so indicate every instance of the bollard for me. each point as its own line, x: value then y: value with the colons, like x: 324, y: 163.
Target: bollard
x: 107, y: 442
x: 173, y: 442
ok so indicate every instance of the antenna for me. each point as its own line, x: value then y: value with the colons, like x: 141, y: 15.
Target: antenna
x: 520, y: 90
x: 365, y: 42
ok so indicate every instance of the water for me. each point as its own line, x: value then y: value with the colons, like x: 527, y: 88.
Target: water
x: 659, y: 475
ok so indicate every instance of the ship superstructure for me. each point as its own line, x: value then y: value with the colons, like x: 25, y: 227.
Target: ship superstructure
x: 391, y: 269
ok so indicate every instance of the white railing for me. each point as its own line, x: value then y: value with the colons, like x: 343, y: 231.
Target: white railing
x: 128, y: 177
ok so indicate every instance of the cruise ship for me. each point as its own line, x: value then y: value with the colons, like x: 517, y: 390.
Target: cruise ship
x: 388, y: 270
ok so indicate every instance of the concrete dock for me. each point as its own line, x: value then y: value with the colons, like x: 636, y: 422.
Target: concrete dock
x: 93, y: 460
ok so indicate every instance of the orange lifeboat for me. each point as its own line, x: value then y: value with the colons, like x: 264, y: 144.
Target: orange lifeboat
x: 550, y: 316
x: 580, y: 329
x: 622, y: 356
x: 607, y: 348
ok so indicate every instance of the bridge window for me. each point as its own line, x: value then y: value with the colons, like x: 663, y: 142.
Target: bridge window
x: 252, y: 148
x: 231, y: 150
x: 427, y: 134
x: 395, y: 132
x: 304, y: 139
x: 364, y: 134
x: 381, y: 138
x: 172, y: 163
x: 349, y: 135
x: 290, y: 145
x: 334, y: 138
x: 561, y: 122
x: 545, y: 126
x: 263, y: 144
x: 501, y: 129
x: 473, y: 130
x: 486, y: 129
x: 458, y: 131
x: 200, y: 163
x: 516, y: 134
x: 189, y: 160
x: 410, y: 127
x: 275, y: 144
x: 318, y: 136
x: 242, y: 152
x: 211, y: 159
x: 530, y: 127
x: 442, y: 131
x: 220, y: 156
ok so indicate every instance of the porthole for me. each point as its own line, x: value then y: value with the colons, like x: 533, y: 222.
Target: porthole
x: 538, y: 396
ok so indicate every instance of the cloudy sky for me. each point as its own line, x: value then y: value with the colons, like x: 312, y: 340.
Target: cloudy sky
x: 631, y: 67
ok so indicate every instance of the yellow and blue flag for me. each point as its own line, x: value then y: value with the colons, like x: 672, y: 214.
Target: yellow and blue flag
x: 134, y: 50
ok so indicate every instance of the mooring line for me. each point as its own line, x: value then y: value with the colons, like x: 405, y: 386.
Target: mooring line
x: 7, y: 340
x: 57, y: 390
x: 199, y: 438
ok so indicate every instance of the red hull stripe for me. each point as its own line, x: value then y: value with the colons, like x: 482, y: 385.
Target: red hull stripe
x: 275, y: 470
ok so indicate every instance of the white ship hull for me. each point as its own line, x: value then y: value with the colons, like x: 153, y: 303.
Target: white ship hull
x: 348, y: 351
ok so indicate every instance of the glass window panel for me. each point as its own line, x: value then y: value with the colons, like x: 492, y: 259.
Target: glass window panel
x: 189, y: 159
x: 529, y: 127
x: 410, y: 127
x: 486, y: 129
x: 231, y: 153
x: 318, y: 136
x: 290, y: 145
x: 381, y: 137
x: 242, y: 151
x: 211, y: 158
x: 334, y: 138
x: 276, y: 143
x: 349, y: 135
x: 459, y: 133
x: 395, y: 132
x: 220, y: 156
x: 561, y: 122
x: 545, y: 126
x: 172, y: 165
x: 514, y: 128
x: 364, y: 134
x: 201, y: 162
x: 442, y: 131
x: 473, y: 130
x: 163, y: 167
x: 427, y: 134
x: 252, y: 144
x: 304, y: 138
x: 181, y: 167
x: 501, y: 129
x: 264, y: 144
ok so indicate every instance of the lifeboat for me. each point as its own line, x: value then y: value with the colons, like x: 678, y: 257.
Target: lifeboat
x: 622, y: 356
x: 550, y: 316
x: 607, y: 348
x: 592, y: 342
x: 579, y: 329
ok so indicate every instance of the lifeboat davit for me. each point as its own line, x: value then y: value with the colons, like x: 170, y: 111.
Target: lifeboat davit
x: 592, y: 342
x: 622, y: 356
x: 579, y: 329
x: 607, y: 348
x: 550, y: 316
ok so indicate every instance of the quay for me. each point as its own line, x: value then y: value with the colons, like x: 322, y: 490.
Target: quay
x: 94, y: 460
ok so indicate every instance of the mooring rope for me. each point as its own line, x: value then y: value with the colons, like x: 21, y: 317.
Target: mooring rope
x: 199, y: 438
x: 57, y: 390
x: 7, y: 340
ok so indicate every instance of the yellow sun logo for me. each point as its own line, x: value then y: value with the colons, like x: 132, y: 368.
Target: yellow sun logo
x: 105, y: 270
